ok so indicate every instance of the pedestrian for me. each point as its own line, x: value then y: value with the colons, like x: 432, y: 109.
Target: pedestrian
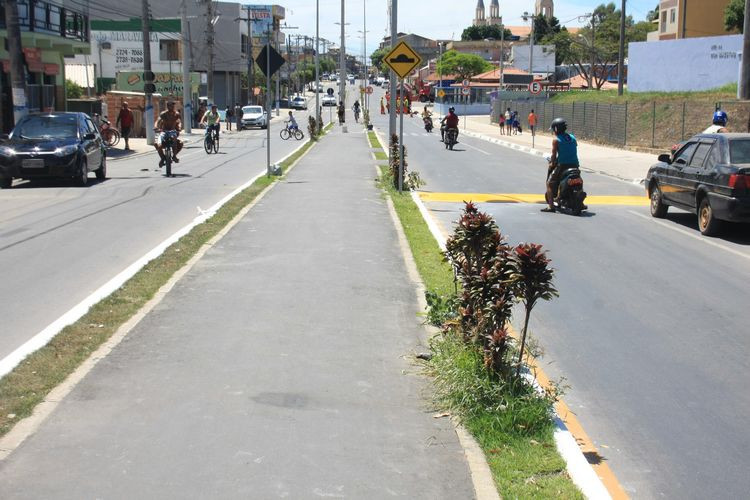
x: 398, y: 105
x: 340, y: 112
x: 532, y: 122
x: 407, y: 105
x: 228, y: 116
x: 514, y: 122
x: 125, y: 122
x: 508, y: 122
x: 502, y: 124
x: 201, y: 112
x: 238, y: 116
x: 382, y: 105
x: 388, y: 105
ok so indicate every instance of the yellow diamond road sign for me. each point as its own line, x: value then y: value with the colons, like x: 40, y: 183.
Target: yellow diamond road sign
x: 402, y: 59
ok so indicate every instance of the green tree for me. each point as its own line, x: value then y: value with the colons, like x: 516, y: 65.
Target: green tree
x: 73, y: 90
x: 483, y: 32
x: 377, y: 58
x: 462, y: 65
x: 653, y: 15
x: 734, y: 16
x: 544, y: 27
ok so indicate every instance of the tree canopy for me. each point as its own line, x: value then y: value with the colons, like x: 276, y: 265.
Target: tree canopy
x: 734, y: 16
x: 483, y: 32
x: 462, y: 65
x: 595, y: 48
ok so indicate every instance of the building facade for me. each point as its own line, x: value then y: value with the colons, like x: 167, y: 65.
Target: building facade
x: 51, y: 30
x: 690, y: 19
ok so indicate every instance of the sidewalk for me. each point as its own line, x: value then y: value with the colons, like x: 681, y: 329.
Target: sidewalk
x: 620, y: 163
x: 279, y: 366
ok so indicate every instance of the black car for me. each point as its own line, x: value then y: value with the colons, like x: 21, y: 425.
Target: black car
x: 53, y: 144
x: 709, y: 175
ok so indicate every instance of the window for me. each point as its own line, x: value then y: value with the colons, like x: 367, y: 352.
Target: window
x: 739, y: 151
x: 663, y: 23
x: 685, y: 153
x: 40, y: 15
x: 169, y: 50
x: 672, y: 16
x: 700, y: 154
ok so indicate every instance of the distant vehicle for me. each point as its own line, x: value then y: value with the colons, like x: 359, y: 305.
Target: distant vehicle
x: 709, y: 176
x: 298, y: 102
x: 385, y: 83
x: 254, y: 116
x: 380, y: 81
x: 329, y: 100
x: 324, y: 77
x: 53, y: 144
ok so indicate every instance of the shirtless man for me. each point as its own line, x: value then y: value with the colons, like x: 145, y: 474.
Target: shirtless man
x: 168, y: 120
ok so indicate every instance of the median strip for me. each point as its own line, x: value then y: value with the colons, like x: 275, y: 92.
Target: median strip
x: 641, y: 201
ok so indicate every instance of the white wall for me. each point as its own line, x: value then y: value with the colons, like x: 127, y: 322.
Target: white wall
x: 544, y: 58
x: 686, y: 64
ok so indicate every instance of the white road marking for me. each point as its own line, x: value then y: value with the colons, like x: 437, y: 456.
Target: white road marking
x: 473, y: 147
x: 693, y: 235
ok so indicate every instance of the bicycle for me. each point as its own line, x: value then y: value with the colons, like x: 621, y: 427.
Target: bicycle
x: 287, y: 132
x: 211, y: 141
x: 167, y: 142
x: 110, y: 135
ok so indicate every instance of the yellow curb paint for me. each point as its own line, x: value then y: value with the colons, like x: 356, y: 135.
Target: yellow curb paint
x: 527, y: 198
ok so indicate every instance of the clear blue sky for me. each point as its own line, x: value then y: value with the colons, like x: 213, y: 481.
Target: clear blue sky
x: 445, y: 19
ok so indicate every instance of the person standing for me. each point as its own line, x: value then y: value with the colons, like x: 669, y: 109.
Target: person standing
x: 228, y: 116
x: 502, y: 124
x: 508, y: 121
x: 341, y: 113
x: 125, y: 123
x: 532, y: 122
x: 382, y: 105
x: 238, y: 116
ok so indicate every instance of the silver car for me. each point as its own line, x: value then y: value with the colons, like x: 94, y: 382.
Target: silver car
x: 254, y: 116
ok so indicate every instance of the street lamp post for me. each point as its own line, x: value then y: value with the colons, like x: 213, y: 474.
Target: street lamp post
x: 526, y: 16
x: 317, y: 66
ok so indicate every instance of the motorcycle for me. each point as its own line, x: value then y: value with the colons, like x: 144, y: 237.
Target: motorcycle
x: 427, y: 123
x: 570, y: 193
x: 451, y: 138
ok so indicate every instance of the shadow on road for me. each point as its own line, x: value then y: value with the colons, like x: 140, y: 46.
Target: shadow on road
x: 734, y: 232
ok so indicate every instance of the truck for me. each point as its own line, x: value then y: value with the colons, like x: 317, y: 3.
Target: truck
x: 425, y: 91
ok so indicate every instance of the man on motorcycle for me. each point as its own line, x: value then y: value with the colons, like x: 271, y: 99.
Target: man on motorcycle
x: 719, y: 123
x: 168, y: 120
x: 212, y: 120
x: 449, y: 121
x: 564, y: 156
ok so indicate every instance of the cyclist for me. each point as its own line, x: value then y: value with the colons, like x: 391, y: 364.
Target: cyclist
x: 168, y: 120
x: 356, y: 110
x: 212, y: 121
x: 292, y: 125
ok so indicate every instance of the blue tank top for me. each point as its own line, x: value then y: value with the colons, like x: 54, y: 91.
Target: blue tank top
x: 567, y: 149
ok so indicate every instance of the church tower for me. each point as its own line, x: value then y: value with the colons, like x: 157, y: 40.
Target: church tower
x: 479, y: 19
x: 495, y: 14
x: 545, y: 8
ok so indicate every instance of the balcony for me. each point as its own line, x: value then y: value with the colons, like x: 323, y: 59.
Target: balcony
x: 50, y: 19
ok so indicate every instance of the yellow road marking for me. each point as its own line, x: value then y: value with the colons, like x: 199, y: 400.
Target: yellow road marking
x: 527, y: 198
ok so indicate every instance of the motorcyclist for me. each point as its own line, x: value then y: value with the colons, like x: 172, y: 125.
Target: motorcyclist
x: 718, y: 123
x: 168, y: 120
x: 427, y: 118
x: 212, y: 119
x: 449, y: 121
x: 564, y: 156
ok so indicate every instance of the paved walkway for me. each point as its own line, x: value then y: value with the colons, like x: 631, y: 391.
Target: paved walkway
x: 279, y: 366
x: 620, y: 163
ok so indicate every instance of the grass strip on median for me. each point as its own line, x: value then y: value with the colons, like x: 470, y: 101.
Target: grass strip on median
x: 28, y: 384
x: 524, y: 464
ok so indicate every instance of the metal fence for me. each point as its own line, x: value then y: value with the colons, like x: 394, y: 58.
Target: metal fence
x: 651, y: 124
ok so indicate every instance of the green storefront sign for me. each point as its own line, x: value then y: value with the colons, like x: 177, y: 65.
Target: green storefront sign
x: 166, y: 83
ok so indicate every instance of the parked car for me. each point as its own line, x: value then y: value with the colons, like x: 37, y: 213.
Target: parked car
x: 709, y: 175
x: 299, y: 102
x: 56, y: 144
x: 254, y: 116
x: 329, y: 100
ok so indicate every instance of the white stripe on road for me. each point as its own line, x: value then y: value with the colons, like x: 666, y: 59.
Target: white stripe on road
x: 692, y: 234
x: 480, y: 150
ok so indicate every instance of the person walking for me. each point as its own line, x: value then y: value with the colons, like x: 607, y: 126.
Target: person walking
x: 238, y: 116
x: 502, y: 124
x: 407, y: 106
x: 532, y: 122
x: 341, y: 113
x: 398, y: 105
x: 382, y: 105
x: 508, y: 122
x: 228, y: 116
x: 125, y: 123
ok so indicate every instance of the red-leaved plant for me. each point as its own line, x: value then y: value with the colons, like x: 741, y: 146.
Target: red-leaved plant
x: 533, y: 281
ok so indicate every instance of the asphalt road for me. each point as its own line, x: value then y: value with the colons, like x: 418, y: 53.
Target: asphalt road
x: 59, y: 243
x: 648, y: 332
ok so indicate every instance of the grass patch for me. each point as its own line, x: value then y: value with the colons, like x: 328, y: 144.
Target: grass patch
x: 381, y: 156
x: 373, y: 138
x: 30, y: 382
x: 724, y: 93
x: 512, y: 425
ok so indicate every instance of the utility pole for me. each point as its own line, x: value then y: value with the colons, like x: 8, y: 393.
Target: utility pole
x: 250, y: 59
x: 744, y: 84
x: 148, y: 76
x: 17, y: 77
x: 317, y: 67
x: 393, y: 76
x: 621, y: 56
x: 342, y: 62
x: 210, y: 44
x: 593, y: 51
x: 187, y: 90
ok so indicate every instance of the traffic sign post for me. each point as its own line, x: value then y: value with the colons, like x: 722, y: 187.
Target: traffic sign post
x: 269, y: 61
x: 402, y: 59
x: 535, y: 88
x: 368, y: 90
